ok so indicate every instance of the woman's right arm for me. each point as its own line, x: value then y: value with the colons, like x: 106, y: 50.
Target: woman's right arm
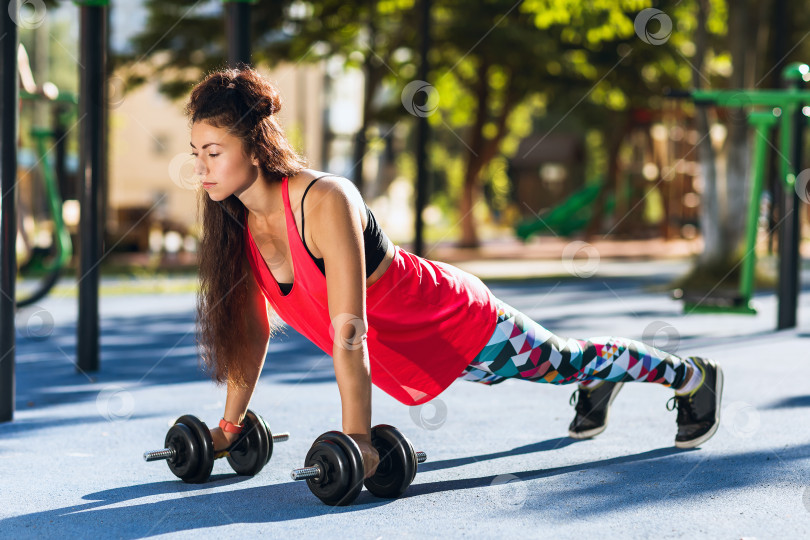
x: 238, y: 396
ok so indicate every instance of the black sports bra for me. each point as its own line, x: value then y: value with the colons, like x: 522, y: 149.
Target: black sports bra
x: 374, y: 240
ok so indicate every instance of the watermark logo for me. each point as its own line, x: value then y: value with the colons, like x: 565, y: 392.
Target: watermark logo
x: 275, y: 246
x: 802, y: 186
x: 350, y: 329
x: 662, y: 336
x: 575, y: 264
x: 650, y: 17
x: 115, y: 403
x: 409, y: 101
x: 738, y: 106
x: 510, y: 492
x: 35, y: 323
x: 431, y: 415
x: 116, y: 88
x: 181, y: 171
x: 741, y: 419
x: 31, y: 13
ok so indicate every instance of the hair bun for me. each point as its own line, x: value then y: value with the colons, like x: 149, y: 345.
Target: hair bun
x: 268, y: 105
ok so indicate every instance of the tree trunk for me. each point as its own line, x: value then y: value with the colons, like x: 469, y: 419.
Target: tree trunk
x: 614, y: 136
x: 737, y: 185
x: 482, y: 150
x: 372, y: 80
x: 710, y: 217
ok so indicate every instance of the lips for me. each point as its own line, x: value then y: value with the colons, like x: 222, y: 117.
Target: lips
x: 208, y: 185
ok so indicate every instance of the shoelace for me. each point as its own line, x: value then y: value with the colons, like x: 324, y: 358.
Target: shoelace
x: 580, y: 400
x: 684, y: 410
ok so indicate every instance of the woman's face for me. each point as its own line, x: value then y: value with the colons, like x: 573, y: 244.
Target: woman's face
x: 221, y: 163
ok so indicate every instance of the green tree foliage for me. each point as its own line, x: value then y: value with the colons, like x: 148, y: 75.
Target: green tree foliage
x: 501, y: 69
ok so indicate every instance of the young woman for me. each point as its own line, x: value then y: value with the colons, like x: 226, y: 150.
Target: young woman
x: 278, y: 235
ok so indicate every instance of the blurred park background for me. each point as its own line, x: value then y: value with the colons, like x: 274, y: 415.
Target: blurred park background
x: 550, y: 121
x: 652, y: 148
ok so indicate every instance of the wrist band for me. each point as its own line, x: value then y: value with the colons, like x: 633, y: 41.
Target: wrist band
x: 229, y: 427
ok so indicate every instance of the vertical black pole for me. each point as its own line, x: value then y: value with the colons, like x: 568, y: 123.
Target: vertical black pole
x: 9, y: 117
x: 778, y: 52
x: 237, y: 27
x: 422, y: 134
x: 92, y: 102
x: 790, y: 230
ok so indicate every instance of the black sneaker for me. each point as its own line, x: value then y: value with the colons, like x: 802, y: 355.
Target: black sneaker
x: 592, y: 407
x: 699, y: 410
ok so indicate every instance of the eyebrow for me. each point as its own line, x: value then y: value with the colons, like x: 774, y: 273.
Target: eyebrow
x: 205, y: 145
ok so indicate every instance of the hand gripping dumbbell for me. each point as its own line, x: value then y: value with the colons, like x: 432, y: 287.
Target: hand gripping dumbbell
x: 190, y: 449
x: 334, y: 466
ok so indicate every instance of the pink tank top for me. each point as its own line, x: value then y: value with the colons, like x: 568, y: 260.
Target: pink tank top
x: 426, y: 319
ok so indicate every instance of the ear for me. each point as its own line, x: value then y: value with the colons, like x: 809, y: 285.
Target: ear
x: 254, y: 160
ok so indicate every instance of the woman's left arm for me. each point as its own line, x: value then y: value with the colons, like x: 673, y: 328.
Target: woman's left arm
x: 338, y: 233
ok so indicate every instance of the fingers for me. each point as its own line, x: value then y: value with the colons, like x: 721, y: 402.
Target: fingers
x: 220, y: 440
x: 371, y: 460
x: 371, y: 469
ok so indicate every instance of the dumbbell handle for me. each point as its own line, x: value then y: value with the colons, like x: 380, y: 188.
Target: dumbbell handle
x: 155, y: 455
x: 168, y: 453
x: 315, y: 471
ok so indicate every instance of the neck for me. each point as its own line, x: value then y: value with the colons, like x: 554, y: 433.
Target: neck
x: 262, y: 198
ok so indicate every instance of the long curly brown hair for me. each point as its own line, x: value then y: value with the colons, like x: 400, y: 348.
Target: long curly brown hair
x: 243, y: 102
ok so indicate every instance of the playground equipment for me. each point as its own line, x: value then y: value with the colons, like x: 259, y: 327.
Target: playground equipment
x: 64, y: 105
x: 92, y: 171
x: 766, y: 109
x: 569, y: 217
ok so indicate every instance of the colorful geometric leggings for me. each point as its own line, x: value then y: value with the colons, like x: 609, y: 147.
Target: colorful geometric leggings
x: 522, y: 349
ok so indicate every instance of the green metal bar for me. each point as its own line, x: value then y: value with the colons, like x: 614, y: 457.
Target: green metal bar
x: 746, y: 98
x: 762, y: 122
x: 744, y: 309
x: 64, y: 246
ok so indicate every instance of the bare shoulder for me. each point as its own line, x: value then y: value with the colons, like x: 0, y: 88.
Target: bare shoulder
x: 331, y: 189
x: 331, y: 204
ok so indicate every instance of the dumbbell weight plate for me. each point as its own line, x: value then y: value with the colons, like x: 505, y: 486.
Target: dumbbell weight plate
x: 205, y: 452
x: 252, y: 452
x: 398, y: 463
x: 269, y: 436
x: 340, y: 457
x: 185, y: 463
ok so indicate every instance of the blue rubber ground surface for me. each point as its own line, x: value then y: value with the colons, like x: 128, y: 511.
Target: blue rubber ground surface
x: 500, y: 464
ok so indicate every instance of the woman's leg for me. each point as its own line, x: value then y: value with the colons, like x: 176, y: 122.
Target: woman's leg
x: 521, y: 348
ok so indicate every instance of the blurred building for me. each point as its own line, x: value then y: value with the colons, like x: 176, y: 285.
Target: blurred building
x: 150, y: 165
x: 546, y: 169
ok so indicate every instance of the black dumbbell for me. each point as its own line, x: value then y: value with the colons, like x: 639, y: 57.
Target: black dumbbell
x: 334, y: 466
x: 190, y: 449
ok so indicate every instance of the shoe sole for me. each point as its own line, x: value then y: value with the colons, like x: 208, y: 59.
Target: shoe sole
x: 596, y: 431
x: 708, y: 435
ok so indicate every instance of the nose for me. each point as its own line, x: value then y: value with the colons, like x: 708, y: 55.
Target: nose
x: 199, y: 166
